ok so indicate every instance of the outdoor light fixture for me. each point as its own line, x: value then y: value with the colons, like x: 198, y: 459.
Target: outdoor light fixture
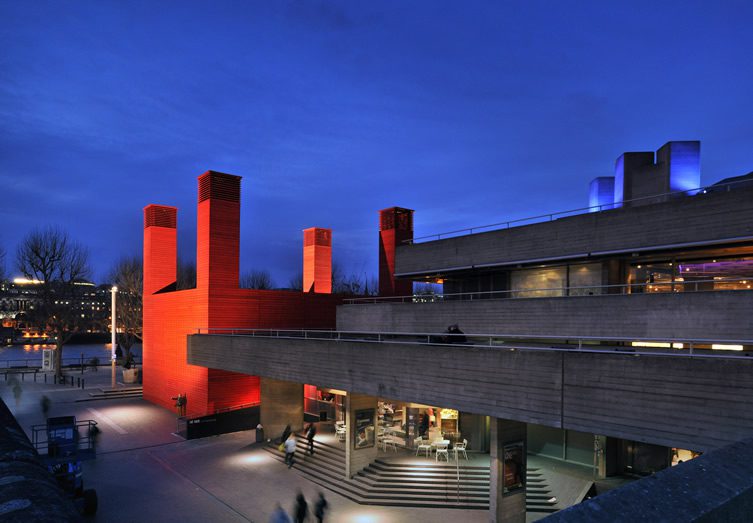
x: 114, y: 291
x: 722, y: 346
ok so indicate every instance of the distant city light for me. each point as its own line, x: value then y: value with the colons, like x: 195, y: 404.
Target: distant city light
x: 26, y: 281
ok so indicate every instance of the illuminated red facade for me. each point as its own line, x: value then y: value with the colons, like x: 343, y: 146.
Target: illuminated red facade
x: 395, y: 227
x: 216, y: 303
x: 317, y: 260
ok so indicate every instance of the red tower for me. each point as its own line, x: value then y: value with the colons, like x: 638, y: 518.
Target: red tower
x: 219, y: 231
x: 317, y: 260
x: 217, y: 302
x: 395, y: 227
x: 159, y: 247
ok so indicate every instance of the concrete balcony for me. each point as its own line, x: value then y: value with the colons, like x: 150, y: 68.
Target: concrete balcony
x: 677, y: 400
x: 684, y: 222
x: 719, y: 315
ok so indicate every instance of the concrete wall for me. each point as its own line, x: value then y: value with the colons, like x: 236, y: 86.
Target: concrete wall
x: 358, y: 459
x: 710, y: 315
x: 710, y: 216
x: 510, y: 507
x: 698, y: 403
x: 281, y: 405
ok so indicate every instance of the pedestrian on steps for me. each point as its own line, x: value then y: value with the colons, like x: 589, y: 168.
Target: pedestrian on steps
x: 310, y: 433
x: 289, y: 450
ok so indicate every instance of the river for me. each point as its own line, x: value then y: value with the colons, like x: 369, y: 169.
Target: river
x: 31, y: 355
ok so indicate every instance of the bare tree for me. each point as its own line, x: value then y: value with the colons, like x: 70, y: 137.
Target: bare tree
x: 354, y: 283
x: 186, y: 275
x: 257, y: 279
x: 128, y: 276
x: 296, y: 282
x: 50, y: 257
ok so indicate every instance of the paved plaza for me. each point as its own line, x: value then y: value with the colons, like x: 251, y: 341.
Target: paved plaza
x: 143, y: 472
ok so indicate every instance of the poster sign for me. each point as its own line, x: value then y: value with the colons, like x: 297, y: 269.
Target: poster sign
x: 364, y: 427
x: 514, y: 467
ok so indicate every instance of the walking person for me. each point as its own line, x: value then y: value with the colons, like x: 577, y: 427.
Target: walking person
x: 45, y: 404
x: 320, y: 508
x: 301, y: 508
x: 310, y: 433
x: 289, y: 450
x: 279, y: 515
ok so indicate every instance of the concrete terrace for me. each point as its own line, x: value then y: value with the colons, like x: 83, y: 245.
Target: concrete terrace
x: 144, y: 472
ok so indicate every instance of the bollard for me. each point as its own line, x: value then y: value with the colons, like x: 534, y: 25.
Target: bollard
x: 78, y: 381
x: 35, y: 376
x: 45, y: 377
x: 71, y: 381
x: 23, y: 376
x: 82, y: 383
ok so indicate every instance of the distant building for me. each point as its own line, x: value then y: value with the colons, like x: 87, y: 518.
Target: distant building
x: 19, y: 298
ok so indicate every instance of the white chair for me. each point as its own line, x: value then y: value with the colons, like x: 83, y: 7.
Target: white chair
x: 442, y: 451
x: 387, y: 441
x: 460, y: 447
x: 422, y: 445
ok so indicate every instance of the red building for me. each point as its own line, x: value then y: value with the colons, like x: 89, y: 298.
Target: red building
x: 217, y: 302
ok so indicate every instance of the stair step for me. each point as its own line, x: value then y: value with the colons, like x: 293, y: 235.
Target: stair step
x: 428, y: 485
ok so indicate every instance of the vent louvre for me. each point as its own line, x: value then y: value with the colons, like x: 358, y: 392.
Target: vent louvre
x: 159, y: 216
x: 396, y: 218
x: 324, y: 237
x: 317, y: 236
x: 219, y: 186
x: 308, y: 238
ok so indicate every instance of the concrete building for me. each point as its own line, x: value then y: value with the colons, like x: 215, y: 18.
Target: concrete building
x: 618, y: 340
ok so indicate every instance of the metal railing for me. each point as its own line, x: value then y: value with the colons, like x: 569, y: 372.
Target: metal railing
x: 563, y: 292
x: 726, y: 187
x: 74, y: 362
x: 82, y: 442
x: 681, y: 347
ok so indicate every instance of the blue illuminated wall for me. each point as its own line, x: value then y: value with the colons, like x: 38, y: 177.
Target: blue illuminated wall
x: 619, y: 181
x: 601, y: 194
x: 684, y: 166
x: 642, y: 178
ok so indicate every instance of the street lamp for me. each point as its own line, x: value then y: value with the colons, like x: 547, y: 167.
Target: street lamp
x: 114, y: 291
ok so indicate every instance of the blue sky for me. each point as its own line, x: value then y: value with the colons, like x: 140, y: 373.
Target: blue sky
x: 468, y: 112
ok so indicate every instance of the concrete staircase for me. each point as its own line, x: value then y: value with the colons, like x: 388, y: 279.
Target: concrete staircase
x: 409, y: 485
x: 107, y: 394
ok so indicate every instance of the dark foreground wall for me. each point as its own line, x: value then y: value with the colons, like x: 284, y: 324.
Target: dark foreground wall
x: 27, y: 490
x: 717, y: 486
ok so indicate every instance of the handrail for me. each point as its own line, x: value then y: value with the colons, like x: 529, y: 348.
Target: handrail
x: 247, y: 332
x: 581, y: 210
x: 499, y: 341
x: 566, y: 290
x: 69, y: 362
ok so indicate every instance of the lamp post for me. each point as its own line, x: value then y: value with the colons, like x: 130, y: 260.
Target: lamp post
x: 114, y: 291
